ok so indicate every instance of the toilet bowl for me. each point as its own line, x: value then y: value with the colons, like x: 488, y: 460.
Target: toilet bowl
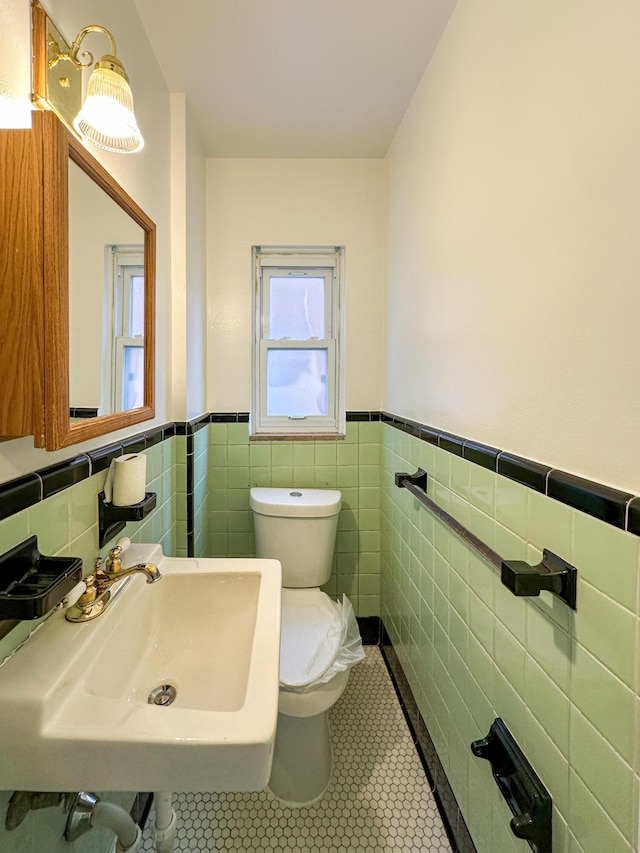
x: 298, y: 527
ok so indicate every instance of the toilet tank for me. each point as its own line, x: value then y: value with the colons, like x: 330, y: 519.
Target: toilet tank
x: 297, y: 527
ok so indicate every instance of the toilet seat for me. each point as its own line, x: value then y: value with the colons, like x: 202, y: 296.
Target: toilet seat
x: 310, y: 638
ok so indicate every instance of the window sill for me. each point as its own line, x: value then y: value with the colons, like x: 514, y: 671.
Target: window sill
x: 298, y: 436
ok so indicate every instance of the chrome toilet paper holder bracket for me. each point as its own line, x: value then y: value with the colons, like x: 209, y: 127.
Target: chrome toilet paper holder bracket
x: 113, y: 519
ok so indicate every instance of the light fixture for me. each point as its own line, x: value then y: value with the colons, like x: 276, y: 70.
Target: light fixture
x: 106, y: 118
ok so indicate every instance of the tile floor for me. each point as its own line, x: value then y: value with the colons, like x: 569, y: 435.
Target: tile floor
x: 378, y: 798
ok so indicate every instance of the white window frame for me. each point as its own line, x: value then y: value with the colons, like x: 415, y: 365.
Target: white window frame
x: 274, y: 261
x: 122, y: 261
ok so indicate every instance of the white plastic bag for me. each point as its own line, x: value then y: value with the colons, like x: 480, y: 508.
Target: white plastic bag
x: 350, y: 651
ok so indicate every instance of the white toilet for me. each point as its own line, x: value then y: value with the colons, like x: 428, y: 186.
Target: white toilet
x: 298, y: 528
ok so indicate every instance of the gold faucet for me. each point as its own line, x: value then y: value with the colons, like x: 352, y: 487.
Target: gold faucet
x: 94, y: 600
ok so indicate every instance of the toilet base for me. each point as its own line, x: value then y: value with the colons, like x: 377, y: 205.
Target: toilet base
x: 302, y: 760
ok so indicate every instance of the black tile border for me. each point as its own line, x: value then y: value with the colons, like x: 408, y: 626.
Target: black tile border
x: 454, y: 823
x: 56, y: 478
x: 633, y: 518
x: 370, y: 627
x: 452, y: 443
x: 362, y: 416
x: 603, y: 502
x: 612, y: 506
x: 524, y: 471
x: 30, y: 489
x: 19, y: 494
x: 481, y: 454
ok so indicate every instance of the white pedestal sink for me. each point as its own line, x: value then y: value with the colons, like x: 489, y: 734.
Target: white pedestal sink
x: 74, y: 700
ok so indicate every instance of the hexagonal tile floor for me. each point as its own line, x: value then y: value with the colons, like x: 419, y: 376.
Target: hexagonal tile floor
x: 378, y: 799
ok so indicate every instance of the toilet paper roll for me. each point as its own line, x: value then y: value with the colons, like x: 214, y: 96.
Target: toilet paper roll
x: 127, y: 480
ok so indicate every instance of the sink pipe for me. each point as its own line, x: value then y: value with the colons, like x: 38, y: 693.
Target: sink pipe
x: 87, y: 810
x: 165, y: 818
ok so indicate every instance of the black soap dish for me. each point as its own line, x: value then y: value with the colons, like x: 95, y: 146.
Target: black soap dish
x: 31, y: 584
x: 526, y: 796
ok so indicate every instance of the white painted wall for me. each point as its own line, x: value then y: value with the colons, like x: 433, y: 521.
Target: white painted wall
x: 292, y: 202
x: 145, y: 176
x: 196, y: 309
x: 188, y: 249
x: 15, y: 73
x: 513, y: 296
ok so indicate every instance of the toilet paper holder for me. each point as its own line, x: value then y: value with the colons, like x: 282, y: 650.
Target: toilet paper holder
x: 113, y: 519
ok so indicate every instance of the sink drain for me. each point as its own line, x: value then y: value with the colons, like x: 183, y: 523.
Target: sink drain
x: 163, y: 695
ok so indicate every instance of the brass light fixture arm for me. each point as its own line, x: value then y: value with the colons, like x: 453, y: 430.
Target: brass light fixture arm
x: 72, y: 55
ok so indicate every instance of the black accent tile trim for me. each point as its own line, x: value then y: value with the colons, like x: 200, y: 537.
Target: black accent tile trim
x: 600, y: 501
x: 385, y: 418
x: 155, y: 437
x: 481, y: 454
x: 101, y: 459
x: 20, y: 494
x: 135, y: 444
x: 524, y: 471
x: 633, y: 516
x: 429, y: 435
x: 190, y: 444
x: 58, y: 477
x: 376, y: 416
x: 168, y: 431
x: 180, y: 428
x: 83, y: 412
x: 243, y: 417
x: 452, y: 443
x: 358, y: 416
x: 370, y: 628
x: 196, y: 424
x: 223, y: 417
x: 454, y: 824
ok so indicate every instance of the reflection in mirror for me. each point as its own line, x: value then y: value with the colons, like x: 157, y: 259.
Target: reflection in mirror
x: 106, y: 302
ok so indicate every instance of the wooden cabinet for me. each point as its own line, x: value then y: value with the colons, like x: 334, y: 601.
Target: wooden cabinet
x: 35, y: 208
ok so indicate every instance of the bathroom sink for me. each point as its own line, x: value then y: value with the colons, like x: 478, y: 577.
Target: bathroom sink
x: 202, y: 644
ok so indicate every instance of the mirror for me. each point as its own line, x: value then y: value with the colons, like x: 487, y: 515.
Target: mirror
x: 90, y: 223
x: 111, y: 299
x: 106, y: 303
x: 76, y: 341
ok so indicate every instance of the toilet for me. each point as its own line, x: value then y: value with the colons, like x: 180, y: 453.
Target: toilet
x: 298, y: 528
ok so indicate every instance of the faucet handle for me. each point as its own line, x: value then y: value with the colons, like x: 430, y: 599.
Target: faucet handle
x: 114, y: 564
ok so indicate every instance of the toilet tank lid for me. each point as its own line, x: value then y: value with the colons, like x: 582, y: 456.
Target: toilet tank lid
x: 302, y: 503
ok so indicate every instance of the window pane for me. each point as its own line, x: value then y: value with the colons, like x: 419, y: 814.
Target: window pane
x: 133, y: 378
x: 297, y: 382
x: 296, y: 307
x: 136, y: 306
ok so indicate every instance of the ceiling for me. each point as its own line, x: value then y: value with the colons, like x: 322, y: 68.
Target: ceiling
x: 295, y: 78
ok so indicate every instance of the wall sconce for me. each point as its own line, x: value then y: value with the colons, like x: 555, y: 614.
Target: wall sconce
x: 106, y: 117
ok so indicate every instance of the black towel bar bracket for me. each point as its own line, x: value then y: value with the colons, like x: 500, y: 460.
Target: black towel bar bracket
x: 526, y: 796
x: 553, y: 573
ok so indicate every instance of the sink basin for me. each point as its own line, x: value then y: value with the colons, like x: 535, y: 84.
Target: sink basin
x: 204, y: 641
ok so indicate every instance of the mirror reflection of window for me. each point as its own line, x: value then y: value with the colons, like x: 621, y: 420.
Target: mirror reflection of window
x: 105, y: 245
x: 125, y: 333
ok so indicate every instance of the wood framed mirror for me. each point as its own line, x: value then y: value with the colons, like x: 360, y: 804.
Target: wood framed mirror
x: 79, y: 339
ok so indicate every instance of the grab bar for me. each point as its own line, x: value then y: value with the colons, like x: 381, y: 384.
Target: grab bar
x: 552, y: 573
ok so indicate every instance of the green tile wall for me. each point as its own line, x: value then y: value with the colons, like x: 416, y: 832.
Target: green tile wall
x: 565, y: 683
x: 233, y: 464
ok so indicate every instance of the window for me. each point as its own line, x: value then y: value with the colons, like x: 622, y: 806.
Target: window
x: 123, y: 383
x: 298, y: 306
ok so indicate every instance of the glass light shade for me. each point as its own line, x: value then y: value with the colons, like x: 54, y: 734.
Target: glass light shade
x: 107, y: 118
